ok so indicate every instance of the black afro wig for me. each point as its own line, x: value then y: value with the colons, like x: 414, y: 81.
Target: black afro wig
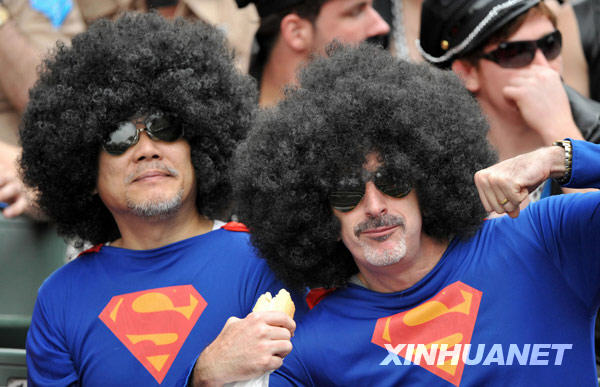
x: 115, y: 70
x: 425, y: 126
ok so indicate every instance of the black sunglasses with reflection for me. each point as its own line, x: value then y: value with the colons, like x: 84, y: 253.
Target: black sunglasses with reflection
x: 521, y: 53
x: 156, y: 125
x: 345, y: 198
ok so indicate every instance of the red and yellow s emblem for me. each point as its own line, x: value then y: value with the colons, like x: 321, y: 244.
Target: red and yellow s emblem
x: 153, y: 324
x: 447, y: 318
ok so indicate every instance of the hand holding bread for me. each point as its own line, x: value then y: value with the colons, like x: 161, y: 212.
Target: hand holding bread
x: 251, y: 347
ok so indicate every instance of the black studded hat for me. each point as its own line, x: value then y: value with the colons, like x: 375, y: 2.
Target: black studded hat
x: 453, y: 28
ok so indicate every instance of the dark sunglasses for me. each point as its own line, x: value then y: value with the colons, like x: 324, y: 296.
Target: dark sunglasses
x: 127, y: 134
x: 345, y: 201
x: 521, y: 53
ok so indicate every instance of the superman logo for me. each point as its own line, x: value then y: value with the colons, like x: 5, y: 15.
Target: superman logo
x: 447, y: 318
x: 153, y: 324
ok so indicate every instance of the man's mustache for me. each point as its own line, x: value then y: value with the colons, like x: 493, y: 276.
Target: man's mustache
x: 155, y: 165
x: 380, y: 221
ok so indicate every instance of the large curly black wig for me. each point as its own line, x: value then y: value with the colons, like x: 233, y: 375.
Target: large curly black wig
x: 115, y: 70
x: 425, y: 126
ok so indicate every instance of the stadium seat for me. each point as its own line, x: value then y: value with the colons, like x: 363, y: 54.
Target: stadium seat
x: 29, y: 252
x: 13, y: 369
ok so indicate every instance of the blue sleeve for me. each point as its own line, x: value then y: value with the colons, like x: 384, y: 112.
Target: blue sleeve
x: 293, y: 372
x: 49, y: 361
x: 569, y: 226
x: 575, y: 236
x: 262, y: 280
x: 586, y: 165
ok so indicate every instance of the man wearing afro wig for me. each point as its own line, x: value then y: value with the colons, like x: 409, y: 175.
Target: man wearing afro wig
x: 128, y: 139
x: 369, y: 194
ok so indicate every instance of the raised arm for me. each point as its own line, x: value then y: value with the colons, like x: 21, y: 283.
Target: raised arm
x: 503, y: 186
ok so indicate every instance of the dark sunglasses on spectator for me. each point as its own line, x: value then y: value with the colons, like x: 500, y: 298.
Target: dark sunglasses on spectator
x: 127, y: 134
x: 347, y: 200
x: 521, y: 53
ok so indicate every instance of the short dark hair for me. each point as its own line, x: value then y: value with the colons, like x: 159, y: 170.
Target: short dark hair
x: 269, y: 29
x: 423, y: 123
x: 111, y: 72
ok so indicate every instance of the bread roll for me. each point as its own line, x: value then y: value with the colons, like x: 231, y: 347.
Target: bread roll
x: 282, y: 302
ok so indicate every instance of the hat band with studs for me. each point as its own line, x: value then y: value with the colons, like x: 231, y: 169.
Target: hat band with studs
x: 461, y: 46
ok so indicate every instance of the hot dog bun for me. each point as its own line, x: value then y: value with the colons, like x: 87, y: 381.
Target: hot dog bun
x: 282, y: 302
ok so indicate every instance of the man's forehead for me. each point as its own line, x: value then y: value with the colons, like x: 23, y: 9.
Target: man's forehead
x: 372, y: 169
x: 373, y: 162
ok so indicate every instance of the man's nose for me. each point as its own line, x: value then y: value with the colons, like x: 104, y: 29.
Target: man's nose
x: 146, y: 148
x: 377, y: 25
x: 374, y: 203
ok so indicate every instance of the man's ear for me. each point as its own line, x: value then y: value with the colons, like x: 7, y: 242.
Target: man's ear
x: 297, y: 33
x: 468, y: 73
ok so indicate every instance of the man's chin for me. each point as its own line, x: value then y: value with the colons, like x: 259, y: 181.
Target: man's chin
x: 157, y: 207
x: 383, y: 260
x: 385, y: 255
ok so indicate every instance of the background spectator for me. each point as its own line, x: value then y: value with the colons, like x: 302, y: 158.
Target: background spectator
x: 27, y: 33
x: 293, y: 31
x: 517, y: 85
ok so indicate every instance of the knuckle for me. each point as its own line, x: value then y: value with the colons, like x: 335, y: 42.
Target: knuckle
x: 262, y: 347
x: 496, y: 179
x: 231, y: 321
x: 254, y: 317
x: 262, y: 330
x: 264, y: 361
x: 276, y: 362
